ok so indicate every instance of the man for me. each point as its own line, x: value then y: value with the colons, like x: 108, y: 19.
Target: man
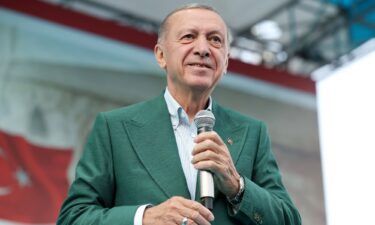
x: 140, y: 163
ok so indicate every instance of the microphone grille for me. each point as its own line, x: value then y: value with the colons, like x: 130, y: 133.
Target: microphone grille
x: 204, y: 118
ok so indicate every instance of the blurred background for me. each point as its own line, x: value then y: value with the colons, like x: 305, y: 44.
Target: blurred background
x: 63, y: 61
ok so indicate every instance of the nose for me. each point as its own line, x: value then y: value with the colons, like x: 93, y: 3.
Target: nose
x: 202, y: 47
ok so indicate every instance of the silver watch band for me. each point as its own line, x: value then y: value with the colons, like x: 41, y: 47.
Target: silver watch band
x: 238, y: 197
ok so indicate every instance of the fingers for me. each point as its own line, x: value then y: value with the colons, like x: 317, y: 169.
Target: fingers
x: 195, y: 218
x: 205, y: 155
x: 194, y: 211
x: 212, y: 135
x: 210, y: 153
x: 188, y: 222
x: 210, y: 141
x: 174, y: 210
x: 197, y: 212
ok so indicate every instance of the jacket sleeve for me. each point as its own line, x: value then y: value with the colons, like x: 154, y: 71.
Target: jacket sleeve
x: 91, y: 196
x: 265, y: 200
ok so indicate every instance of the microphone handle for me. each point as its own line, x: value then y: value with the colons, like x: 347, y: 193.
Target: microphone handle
x: 207, y: 188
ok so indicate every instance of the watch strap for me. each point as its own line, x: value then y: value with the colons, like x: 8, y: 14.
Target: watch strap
x: 238, y: 197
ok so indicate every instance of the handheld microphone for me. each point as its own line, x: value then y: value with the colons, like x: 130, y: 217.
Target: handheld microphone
x: 205, y: 121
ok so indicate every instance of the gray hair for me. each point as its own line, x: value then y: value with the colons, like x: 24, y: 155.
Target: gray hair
x: 164, y: 24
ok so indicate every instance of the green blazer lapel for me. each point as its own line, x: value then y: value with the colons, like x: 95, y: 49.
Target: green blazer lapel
x: 153, y: 140
x: 231, y: 132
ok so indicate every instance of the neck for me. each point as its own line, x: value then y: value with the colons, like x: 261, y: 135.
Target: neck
x: 191, y: 102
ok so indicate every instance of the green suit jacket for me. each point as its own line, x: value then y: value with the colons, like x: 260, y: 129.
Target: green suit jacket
x: 131, y: 159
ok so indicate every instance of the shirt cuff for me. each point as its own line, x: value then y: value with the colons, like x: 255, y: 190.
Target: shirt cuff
x: 138, y: 217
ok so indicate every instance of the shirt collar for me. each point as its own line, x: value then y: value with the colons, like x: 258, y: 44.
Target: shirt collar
x: 176, y: 112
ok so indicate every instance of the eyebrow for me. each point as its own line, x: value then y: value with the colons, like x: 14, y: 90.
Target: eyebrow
x: 194, y: 30
x: 185, y: 30
x: 216, y: 32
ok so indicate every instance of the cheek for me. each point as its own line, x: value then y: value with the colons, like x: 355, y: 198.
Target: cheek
x: 220, y: 58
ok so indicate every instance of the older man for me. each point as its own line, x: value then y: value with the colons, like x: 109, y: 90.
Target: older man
x: 140, y: 163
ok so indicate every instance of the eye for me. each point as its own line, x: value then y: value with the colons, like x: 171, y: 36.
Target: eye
x: 216, y: 41
x: 187, y: 37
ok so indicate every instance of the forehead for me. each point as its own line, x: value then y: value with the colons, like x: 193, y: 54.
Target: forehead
x: 196, y: 18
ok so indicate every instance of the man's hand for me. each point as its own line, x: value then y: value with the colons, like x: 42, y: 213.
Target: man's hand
x: 174, y: 210
x: 210, y: 153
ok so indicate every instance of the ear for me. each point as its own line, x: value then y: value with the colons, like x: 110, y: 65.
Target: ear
x: 159, y: 55
x: 226, y: 64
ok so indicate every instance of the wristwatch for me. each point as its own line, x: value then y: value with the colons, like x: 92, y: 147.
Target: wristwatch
x: 238, y: 197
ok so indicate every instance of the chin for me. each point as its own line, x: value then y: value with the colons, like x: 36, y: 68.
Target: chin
x: 201, y: 81
x: 201, y: 87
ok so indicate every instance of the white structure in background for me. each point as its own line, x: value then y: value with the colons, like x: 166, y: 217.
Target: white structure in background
x: 346, y: 110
